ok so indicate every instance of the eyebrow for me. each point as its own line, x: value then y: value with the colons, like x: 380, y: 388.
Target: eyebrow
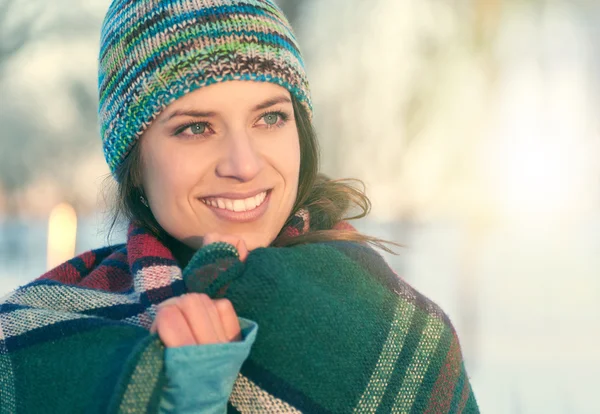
x: 270, y: 102
x: 199, y: 114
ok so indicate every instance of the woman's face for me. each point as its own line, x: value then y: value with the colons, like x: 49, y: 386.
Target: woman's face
x: 223, y: 159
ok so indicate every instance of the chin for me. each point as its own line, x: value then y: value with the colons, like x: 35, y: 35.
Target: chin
x: 254, y: 242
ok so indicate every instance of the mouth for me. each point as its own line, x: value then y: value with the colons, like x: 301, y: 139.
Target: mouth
x: 239, y: 209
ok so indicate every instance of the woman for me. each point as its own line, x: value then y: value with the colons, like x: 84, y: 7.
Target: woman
x: 206, y: 123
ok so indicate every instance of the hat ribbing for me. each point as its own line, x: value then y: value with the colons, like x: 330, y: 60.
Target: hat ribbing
x: 153, y: 52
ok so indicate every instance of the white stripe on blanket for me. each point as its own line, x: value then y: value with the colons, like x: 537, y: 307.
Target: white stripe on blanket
x: 247, y: 397
x: 155, y: 277
x: 68, y: 298
x: 23, y: 320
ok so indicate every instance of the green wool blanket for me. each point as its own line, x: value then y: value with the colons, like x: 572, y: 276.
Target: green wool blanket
x: 339, y: 332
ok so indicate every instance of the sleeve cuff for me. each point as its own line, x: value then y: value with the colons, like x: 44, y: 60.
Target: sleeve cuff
x: 200, y: 377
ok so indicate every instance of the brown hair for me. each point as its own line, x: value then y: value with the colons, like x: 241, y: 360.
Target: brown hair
x: 328, y: 201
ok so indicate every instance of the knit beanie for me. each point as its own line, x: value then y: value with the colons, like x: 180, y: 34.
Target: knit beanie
x: 152, y: 52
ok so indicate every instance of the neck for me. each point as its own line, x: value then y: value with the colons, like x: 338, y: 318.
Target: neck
x: 181, y: 251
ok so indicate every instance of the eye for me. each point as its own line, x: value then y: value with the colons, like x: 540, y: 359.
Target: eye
x: 196, y: 128
x: 271, y: 119
x: 274, y: 119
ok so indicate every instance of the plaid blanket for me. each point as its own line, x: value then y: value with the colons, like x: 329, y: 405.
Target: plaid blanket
x: 339, y: 332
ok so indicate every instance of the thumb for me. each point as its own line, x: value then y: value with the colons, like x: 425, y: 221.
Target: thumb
x: 242, y: 249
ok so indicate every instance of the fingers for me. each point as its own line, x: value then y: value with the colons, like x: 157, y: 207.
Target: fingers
x: 203, y: 318
x: 172, y: 327
x: 229, y: 319
x: 195, y: 319
x: 242, y: 249
x: 239, y: 243
x: 167, y: 302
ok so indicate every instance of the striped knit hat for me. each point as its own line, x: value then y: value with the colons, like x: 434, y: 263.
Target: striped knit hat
x: 153, y: 52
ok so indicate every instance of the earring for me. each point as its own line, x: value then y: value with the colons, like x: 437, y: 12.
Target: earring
x: 144, y: 202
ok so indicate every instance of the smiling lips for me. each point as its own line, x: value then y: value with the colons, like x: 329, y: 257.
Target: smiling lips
x: 238, y: 205
x: 239, y: 209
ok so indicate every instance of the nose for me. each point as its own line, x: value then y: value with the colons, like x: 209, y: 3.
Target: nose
x: 240, y: 161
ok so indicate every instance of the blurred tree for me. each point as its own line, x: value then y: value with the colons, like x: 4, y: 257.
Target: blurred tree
x: 31, y: 150
x: 23, y: 23
x: 400, y: 95
x: 291, y: 9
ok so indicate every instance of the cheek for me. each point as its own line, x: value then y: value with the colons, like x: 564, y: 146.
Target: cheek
x: 169, y: 176
x: 295, y: 161
x: 289, y: 167
x: 286, y: 156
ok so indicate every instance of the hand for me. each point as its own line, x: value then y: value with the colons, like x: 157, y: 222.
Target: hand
x: 239, y: 243
x: 196, y: 319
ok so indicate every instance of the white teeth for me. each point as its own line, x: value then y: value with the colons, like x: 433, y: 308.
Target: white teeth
x: 237, y: 205
x: 250, y: 203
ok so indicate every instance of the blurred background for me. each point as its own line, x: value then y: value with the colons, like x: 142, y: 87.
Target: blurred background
x: 473, y: 124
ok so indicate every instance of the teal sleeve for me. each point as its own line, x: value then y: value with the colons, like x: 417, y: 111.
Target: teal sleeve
x: 200, y: 377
